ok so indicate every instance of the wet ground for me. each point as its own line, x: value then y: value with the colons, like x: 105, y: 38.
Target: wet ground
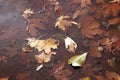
x: 17, y: 65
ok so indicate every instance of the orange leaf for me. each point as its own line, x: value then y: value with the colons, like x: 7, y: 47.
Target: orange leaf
x: 114, y: 21
x: 90, y: 27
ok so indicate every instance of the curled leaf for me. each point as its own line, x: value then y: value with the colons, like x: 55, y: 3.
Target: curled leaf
x: 63, y: 24
x: 77, y: 60
x: 70, y: 44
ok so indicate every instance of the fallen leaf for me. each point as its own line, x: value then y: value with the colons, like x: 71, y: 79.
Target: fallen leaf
x: 27, y: 13
x: 43, y: 57
x: 114, y: 21
x: 93, y: 49
x: 34, y: 23
x: 80, y: 13
x: 112, y: 76
x: 70, y: 44
x: 100, y: 1
x: 64, y: 24
x: 60, y: 72
x: 111, y: 10
x: 78, y: 60
x: 90, y: 27
x: 45, y: 45
x: 83, y: 3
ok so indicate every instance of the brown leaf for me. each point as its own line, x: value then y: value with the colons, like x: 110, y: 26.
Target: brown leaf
x: 60, y: 72
x: 80, y: 13
x: 90, y: 27
x: 112, y: 76
x: 33, y: 24
x: 114, y: 21
x: 84, y: 3
x: 100, y: 1
x: 111, y: 10
x: 93, y: 49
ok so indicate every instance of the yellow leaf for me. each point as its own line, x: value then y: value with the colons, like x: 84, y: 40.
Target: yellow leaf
x: 63, y: 24
x: 27, y: 13
x: 45, y: 45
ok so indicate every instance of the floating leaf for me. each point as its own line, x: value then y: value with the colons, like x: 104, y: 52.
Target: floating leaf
x: 27, y: 13
x: 45, y: 45
x: 77, y: 60
x: 63, y: 24
x: 70, y: 44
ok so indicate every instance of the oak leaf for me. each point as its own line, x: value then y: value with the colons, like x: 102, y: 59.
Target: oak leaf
x: 90, y: 27
x: 63, y: 24
x: 45, y: 45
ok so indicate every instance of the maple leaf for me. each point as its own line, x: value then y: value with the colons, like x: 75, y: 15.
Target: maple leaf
x: 43, y: 57
x: 27, y: 13
x: 111, y: 10
x: 63, y: 24
x: 84, y: 3
x: 90, y: 27
x: 45, y: 45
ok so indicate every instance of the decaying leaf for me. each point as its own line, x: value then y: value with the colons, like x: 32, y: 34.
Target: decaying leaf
x: 45, y: 45
x: 27, y: 13
x: 80, y: 13
x: 84, y: 3
x: 77, y: 60
x: 70, y: 44
x: 60, y: 72
x: 34, y: 23
x: 109, y: 76
x: 114, y: 21
x: 90, y: 27
x: 63, y: 24
x: 94, y: 50
x: 111, y: 10
x: 43, y: 57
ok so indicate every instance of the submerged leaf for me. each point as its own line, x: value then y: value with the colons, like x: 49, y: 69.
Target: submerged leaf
x: 70, y: 44
x: 77, y: 60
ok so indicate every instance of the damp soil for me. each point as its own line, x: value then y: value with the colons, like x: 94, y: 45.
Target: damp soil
x: 17, y: 65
